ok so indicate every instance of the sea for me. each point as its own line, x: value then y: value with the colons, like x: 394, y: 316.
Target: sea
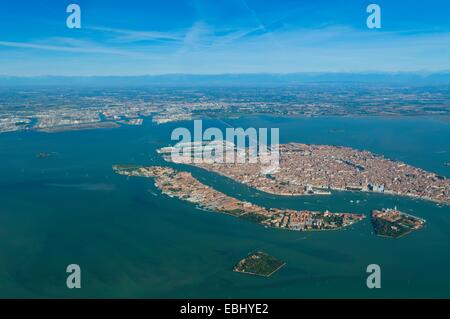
x: 131, y: 241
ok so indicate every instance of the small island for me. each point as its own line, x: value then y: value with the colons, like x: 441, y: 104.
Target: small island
x: 43, y: 155
x: 394, y: 224
x: 259, y: 264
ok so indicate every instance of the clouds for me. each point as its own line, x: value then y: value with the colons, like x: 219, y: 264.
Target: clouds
x: 65, y: 47
x: 229, y: 37
x: 129, y: 36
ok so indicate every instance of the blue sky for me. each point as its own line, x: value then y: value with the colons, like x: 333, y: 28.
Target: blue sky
x: 136, y: 37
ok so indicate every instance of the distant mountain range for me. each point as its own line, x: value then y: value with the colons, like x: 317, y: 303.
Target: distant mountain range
x: 230, y: 79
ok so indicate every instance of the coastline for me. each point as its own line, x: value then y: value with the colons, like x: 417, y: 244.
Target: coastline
x: 182, y: 185
x: 388, y: 193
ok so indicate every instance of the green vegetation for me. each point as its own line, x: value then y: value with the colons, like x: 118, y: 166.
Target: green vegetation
x: 236, y: 212
x: 400, y: 227
x: 335, y: 219
x: 125, y: 167
x: 388, y: 229
x: 253, y: 217
x: 259, y: 263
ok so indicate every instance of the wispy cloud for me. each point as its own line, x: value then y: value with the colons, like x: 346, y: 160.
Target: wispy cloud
x: 70, y: 45
x: 126, y: 35
x: 273, y: 47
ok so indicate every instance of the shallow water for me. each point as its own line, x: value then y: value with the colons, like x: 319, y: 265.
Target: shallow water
x: 131, y: 241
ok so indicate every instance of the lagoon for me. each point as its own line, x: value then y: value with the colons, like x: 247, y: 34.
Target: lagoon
x: 131, y: 241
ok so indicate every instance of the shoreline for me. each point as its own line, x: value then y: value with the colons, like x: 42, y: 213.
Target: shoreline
x: 411, y: 197
x: 183, y: 186
x: 259, y: 275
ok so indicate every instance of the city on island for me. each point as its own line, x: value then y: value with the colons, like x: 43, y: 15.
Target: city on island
x: 316, y: 169
x: 184, y: 186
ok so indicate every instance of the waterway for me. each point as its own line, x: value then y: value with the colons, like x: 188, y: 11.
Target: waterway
x: 131, y: 241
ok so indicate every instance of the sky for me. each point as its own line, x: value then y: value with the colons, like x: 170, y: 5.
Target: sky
x: 136, y: 37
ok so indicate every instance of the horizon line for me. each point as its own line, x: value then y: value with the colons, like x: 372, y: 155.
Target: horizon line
x: 416, y: 72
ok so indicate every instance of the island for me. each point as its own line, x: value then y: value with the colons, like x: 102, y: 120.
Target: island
x: 183, y: 185
x: 393, y: 223
x: 78, y: 127
x: 259, y: 264
x: 43, y: 155
x: 315, y: 169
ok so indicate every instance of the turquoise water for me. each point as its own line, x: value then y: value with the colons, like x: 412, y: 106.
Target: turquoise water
x: 130, y: 241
